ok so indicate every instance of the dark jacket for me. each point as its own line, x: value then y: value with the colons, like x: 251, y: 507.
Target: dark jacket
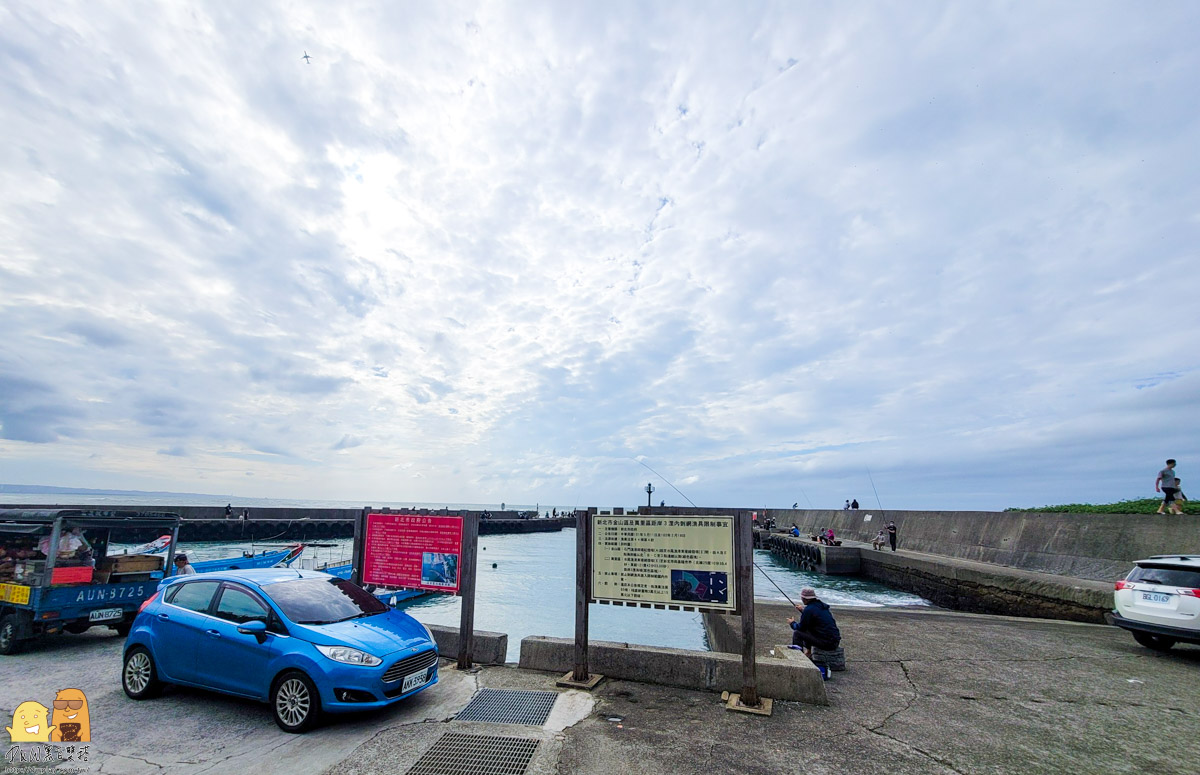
x: 817, y: 621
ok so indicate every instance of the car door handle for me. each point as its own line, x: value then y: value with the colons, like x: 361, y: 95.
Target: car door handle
x: 212, y: 633
x: 163, y: 617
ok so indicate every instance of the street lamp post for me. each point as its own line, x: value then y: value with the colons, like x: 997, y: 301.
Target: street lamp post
x: 649, y: 492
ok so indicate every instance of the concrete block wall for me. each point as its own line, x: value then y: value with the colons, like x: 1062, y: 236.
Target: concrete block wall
x: 489, y: 648
x: 786, y: 676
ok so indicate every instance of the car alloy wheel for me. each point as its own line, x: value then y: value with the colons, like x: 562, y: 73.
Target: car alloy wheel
x: 295, y: 702
x: 139, y: 678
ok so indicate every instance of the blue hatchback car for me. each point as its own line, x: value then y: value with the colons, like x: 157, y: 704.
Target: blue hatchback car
x: 305, y: 642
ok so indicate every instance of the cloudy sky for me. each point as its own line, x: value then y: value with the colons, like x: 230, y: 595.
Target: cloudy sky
x: 504, y: 251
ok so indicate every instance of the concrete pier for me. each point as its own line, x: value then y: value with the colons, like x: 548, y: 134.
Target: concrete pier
x: 925, y: 692
x: 209, y: 523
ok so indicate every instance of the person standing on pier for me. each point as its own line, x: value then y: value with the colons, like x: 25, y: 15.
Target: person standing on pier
x: 854, y: 505
x: 891, y: 530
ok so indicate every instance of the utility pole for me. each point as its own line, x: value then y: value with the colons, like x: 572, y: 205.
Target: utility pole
x: 649, y: 492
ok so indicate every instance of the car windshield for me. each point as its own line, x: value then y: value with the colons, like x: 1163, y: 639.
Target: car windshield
x: 1165, y: 575
x: 323, y: 601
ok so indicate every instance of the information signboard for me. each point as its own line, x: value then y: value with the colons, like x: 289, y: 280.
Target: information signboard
x: 678, y: 560
x: 413, y: 551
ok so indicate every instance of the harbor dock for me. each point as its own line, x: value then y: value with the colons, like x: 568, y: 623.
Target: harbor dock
x: 209, y: 523
x: 925, y: 692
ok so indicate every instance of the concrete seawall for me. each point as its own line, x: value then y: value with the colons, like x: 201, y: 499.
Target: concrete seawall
x: 963, y: 585
x: 209, y: 523
x: 1101, y: 547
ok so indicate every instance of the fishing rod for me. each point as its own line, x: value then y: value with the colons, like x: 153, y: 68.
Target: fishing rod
x: 752, y: 562
x: 668, y: 481
x: 872, y: 479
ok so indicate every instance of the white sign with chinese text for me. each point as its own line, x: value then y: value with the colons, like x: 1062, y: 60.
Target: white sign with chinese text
x: 675, y: 560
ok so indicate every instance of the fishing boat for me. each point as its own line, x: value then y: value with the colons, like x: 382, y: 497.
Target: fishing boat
x: 267, y: 558
x: 157, y: 546
x: 389, y: 596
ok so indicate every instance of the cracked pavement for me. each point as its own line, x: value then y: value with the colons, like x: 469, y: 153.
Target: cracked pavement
x: 926, y: 691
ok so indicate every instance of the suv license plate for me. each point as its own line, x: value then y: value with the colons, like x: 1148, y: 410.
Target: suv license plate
x: 105, y: 614
x: 413, y: 681
x: 1156, y: 597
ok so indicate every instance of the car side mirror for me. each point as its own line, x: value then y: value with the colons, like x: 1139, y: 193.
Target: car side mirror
x: 257, y: 628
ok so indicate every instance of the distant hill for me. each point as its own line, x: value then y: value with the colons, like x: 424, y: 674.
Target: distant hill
x: 41, y: 488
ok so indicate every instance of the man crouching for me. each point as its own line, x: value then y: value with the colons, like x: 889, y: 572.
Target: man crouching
x: 816, y: 626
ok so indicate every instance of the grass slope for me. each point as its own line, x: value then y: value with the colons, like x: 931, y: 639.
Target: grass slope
x: 1141, y: 506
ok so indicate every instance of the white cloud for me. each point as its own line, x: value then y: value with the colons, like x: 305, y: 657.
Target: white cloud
x: 510, y: 250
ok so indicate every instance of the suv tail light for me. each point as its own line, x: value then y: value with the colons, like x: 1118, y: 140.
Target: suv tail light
x: 1123, y: 584
x: 147, y: 602
x: 1190, y: 592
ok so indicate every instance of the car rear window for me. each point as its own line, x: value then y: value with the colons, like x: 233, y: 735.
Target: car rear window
x: 1165, y: 575
x: 193, y: 595
x: 321, y: 601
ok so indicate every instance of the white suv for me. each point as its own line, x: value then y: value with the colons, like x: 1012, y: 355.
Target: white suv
x: 1159, y: 601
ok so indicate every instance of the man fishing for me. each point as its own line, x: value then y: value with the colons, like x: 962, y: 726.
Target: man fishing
x: 816, y: 626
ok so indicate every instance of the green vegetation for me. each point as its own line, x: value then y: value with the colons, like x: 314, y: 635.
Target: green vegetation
x: 1141, y: 506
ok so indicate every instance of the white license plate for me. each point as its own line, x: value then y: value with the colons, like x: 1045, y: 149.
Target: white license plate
x: 105, y: 614
x: 1156, y: 597
x: 415, y: 680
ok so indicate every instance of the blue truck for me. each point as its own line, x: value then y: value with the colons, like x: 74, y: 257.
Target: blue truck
x: 57, y: 575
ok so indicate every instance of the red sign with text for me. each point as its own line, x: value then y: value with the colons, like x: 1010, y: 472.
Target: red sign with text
x: 414, y: 551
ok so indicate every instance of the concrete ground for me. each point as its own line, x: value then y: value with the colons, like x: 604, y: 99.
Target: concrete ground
x: 925, y: 692
x: 928, y: 692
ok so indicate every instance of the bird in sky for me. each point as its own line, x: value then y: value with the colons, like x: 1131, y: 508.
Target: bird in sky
x: 306, y: 57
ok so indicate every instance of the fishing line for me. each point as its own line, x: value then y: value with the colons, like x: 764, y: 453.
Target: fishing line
x: 752, y: 562
x: 673, y: 487
x: 874, y: 490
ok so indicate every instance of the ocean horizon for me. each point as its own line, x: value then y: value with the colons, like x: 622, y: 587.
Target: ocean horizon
x: 22, y: 495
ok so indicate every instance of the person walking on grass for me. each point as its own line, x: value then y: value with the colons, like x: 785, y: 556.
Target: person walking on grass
x: 1168, y: 485
x: 1180, y: 498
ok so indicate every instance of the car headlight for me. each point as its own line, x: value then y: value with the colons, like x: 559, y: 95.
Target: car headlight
x: 349, y: 656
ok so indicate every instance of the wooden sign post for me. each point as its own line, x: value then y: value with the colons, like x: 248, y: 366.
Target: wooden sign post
x: 466, y: 628
x: 580, y: 677
x: 744, y: 558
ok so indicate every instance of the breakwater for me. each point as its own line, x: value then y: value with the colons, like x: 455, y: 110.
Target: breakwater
x: 1101, y: 547
x: 209, y: 523
x: 962, y: 585
x: 1049, y: 565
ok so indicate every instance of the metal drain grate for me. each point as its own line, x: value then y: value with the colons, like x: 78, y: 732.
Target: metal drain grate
x: 459, y: 754
x: 509, y: 706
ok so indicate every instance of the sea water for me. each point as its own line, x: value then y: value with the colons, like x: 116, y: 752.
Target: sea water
x: 531, y: 591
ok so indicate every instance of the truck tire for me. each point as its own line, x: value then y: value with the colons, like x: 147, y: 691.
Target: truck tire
x: 10, y: 628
